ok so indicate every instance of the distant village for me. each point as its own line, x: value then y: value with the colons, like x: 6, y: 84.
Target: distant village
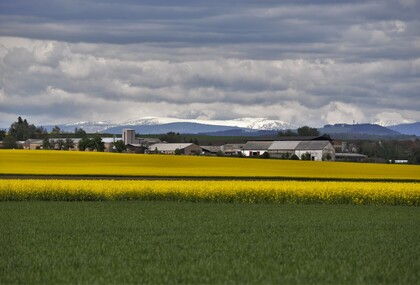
x: 316, y: 148
x: 304, y: 144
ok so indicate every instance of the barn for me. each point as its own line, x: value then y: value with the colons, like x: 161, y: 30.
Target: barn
x: 171, y: 148
x: 314, y: 149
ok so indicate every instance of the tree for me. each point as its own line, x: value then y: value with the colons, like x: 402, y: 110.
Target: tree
x: 41, y: 132
x: 287, y: 133
x: 46, y: 143
x: 327, y: 157
x: 56, y: 130
x: 286, y: 155
x: 68, y: 144
x: 21, y: 130
x: 119, y: 146
x: 52, y: 144
x: 415, y: 157
x: 84, y: 143
x: 80, y: 133
x: 265, y: 155
x: 2, y: 134
x: 178, y: 151
x: 307, y: 131
x: 294, y: 157
x: 306, y: 156
x: 96, y: 143
x: 60, y: 144
x: 171, y: 137
x: 9, y: 142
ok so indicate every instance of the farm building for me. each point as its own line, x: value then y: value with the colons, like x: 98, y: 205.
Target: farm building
x: 256, y: 148
x: 352, y: 157
x: 317, y: 149
x: 128, y: 136
x: 170, y: 148
x: 232, y: 149
x: 211, y: 149
x: 32, y: 144
x: 283, y: 149
x: 109, y: 143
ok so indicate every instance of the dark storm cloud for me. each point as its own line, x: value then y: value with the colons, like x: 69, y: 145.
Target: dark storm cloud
x: 218, y: 59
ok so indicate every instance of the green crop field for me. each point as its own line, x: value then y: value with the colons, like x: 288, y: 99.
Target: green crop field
x: 260, y: 237
x: 216, y: 243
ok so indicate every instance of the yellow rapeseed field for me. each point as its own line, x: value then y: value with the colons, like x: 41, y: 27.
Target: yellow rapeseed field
x: 213, y: 191
x: 93, y: 163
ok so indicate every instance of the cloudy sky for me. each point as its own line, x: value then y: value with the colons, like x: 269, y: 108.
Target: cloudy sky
x: 303, y: 62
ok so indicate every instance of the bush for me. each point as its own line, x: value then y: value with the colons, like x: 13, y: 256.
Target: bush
x: 265, y: 155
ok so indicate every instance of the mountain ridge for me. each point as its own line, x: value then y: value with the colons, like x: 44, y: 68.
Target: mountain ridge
x: 235, y: 127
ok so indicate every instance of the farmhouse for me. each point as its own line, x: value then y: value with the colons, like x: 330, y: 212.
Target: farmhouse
x: 171, y: 148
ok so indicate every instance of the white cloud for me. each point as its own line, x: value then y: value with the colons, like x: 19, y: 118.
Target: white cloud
x: 300, y: 63
x: 338, y: 112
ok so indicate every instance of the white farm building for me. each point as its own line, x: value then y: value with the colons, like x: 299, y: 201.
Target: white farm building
x: 315, y: 150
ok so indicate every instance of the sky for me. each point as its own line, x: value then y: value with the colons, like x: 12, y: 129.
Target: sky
x: 301, y: 62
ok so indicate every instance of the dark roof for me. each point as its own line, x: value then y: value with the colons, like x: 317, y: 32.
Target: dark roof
x: 211, y: 148
x: 257, y: 145
x: 312, y: 145
x: 349, y: 154
x: 232, y: 147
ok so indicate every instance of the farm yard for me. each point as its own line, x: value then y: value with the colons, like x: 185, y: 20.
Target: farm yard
x: 118, y: 218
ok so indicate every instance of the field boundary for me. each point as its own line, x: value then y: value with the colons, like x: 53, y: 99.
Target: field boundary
x: 195, y: 178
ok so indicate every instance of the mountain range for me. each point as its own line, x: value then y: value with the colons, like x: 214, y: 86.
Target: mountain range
x: 237, y: 127
x: 154, y: 125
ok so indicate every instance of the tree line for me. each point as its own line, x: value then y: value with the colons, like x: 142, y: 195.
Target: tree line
x: 21, y: 130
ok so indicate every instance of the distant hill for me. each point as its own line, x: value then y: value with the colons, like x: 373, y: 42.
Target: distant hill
x: 183, y: 128
x: 358, y: 129
x: 407, y: 129
x: 159, y: 125
x: 245, y: 127
x: 240, y: 132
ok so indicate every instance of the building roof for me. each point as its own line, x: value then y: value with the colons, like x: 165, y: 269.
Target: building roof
x: 284, y: 145
x: 232, y: 147
x: 211, y: 148
x: 111, y: 140
x: 169, y: 146
x: 312, y: 145
x: 257, y: 145
x: 350, y: 154
x: 33, y: 141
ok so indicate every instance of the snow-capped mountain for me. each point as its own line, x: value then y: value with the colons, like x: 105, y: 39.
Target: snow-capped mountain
x: 264, y: 124
x: 186, y: 125
x: 88, y: 126
x: 248, y: 123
